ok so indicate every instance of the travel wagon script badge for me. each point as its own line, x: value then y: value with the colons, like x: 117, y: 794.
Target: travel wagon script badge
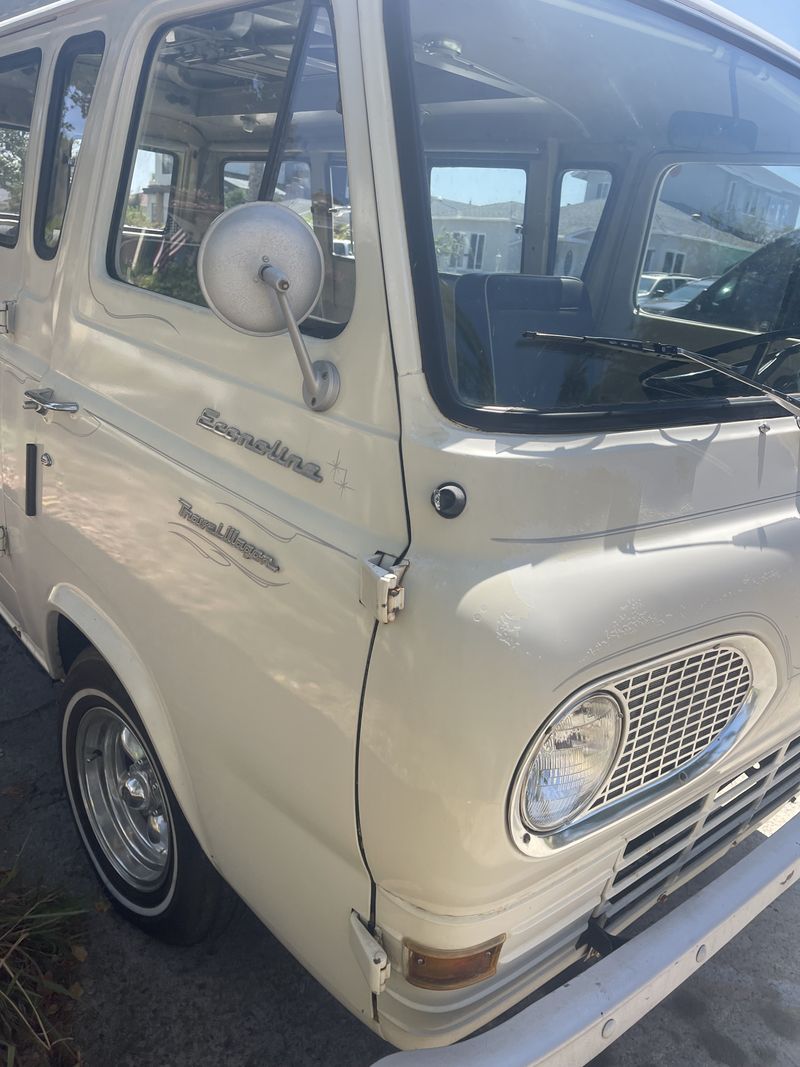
x: 278, y: 452
x: 229, y: 535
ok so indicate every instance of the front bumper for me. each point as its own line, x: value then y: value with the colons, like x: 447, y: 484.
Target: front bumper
x: 579, y: 1020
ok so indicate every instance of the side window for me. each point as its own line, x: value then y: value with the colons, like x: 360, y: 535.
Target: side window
x: 759, y: 294
x: 18, y: 77
x: 152, y: 187
x: 477, y: 214
x: 731, y: 231
x: 73, y: 88
x: 581, y: 206
x: 237, y: 107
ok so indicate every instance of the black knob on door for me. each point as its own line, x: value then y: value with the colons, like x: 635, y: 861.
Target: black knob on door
x: 449, y: 500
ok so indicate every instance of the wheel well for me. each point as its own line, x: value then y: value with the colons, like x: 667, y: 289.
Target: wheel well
x: 71, y: 642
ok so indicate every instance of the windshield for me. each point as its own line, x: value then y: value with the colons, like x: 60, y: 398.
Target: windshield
x: 565, y: 155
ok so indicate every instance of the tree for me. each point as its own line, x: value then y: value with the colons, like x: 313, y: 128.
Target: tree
x: 449, y: 244
x: 13, y: 148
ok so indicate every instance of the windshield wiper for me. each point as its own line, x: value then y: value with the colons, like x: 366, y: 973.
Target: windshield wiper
x: 751, y: 339
x: 678, y: 355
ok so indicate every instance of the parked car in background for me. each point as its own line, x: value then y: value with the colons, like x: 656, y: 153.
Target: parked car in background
x: 751, y: 295
x: 678, y: 298
x: 655, y: 285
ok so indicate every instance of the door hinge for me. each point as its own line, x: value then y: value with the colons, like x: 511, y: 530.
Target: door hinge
x: 370, y: 953
x: 381, y: 586
x: 3, y: 541
x: 7, y: 310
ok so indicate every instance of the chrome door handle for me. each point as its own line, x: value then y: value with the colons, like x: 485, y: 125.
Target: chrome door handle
x: 41, y: 400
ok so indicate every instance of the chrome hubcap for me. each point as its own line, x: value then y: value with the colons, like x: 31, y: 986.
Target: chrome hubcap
x: 123, y: 799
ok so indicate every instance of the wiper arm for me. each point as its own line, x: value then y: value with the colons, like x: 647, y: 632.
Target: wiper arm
x: 679, y: 355
x: 751, y: 339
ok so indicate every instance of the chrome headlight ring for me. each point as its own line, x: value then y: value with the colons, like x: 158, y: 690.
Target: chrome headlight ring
x: 568, y: 762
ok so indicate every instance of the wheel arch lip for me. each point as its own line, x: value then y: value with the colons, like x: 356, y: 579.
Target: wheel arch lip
x: 120, y: 654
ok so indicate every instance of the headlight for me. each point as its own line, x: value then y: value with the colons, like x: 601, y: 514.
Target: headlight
x: 570, y: 761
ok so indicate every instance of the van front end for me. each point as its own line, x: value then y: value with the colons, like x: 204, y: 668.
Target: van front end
x: 591, y: 693
x: 587, y: 722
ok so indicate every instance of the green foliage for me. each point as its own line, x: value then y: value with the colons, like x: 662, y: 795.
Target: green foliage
x: 449, y: 244
x: 178, y: 280
x: 13, y: 148
x: 234, y: 197
x: 134, y: 216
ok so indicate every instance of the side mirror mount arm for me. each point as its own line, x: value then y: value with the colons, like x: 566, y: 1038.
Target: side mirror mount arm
x: 320, y: 378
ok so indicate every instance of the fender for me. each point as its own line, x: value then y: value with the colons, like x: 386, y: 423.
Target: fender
x: 118, y: 651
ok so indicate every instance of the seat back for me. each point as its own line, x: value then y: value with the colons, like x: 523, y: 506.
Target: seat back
x: 492, y: 312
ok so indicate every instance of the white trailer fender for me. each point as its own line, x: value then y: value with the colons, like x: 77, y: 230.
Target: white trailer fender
x: 118, y: 651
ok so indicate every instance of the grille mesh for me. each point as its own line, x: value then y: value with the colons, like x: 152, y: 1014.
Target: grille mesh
x: 673, y: 851
x: 675, y: 710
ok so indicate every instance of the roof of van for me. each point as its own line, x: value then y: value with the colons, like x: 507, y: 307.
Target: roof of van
x: 705, y: 7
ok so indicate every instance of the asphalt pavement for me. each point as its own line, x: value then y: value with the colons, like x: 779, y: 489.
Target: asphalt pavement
x: 243, y: 1001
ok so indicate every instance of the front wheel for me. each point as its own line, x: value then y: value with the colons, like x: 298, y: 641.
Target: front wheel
x: 146, y: 856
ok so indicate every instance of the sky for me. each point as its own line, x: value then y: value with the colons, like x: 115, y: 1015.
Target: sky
x: 780, y: 17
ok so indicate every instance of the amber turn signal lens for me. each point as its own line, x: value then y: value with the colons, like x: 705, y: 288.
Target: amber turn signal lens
x: 450, y: 968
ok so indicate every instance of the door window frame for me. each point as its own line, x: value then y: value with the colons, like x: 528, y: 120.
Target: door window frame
x: 275, y: 149
x: 16, y: 61
x: 69, y: 52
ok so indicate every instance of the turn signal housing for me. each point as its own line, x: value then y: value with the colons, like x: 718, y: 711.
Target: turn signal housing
x: 450, y: 968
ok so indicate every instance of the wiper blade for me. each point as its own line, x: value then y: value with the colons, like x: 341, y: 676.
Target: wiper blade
x: 679, y: 355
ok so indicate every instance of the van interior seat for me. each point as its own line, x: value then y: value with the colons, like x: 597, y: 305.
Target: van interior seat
x: 492, y: 312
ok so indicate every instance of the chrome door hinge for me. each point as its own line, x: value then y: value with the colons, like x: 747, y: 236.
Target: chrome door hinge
x: 3, y: 541
x: 381, y: 586
x: 7, y: 310
x: 370, y: 953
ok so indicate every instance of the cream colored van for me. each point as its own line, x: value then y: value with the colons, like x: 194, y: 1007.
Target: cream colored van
x: 404, y: 574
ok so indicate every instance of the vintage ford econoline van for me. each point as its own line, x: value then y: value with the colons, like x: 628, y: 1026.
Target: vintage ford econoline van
x: 403, y: 572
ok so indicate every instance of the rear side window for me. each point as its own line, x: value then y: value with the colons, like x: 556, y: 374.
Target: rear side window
x: 729, y: 234
x: 582, y: 203
x: 154, y: 177
x: 18, y: 77
x: 237, y: 106
x: 477, y: 213
x: 73, y: 88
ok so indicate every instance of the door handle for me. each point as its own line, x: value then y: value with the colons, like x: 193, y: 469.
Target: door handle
x: 41, y: 400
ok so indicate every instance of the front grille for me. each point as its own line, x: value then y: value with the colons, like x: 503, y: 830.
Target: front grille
x: 658, y: 861
x: 675, y: 710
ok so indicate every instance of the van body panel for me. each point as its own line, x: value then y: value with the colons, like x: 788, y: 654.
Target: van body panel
x: 272, y: 637
x: 506, y: 610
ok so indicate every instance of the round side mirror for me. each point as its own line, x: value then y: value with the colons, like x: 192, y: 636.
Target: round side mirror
x: 237, y: 245
x: 261, y: 270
